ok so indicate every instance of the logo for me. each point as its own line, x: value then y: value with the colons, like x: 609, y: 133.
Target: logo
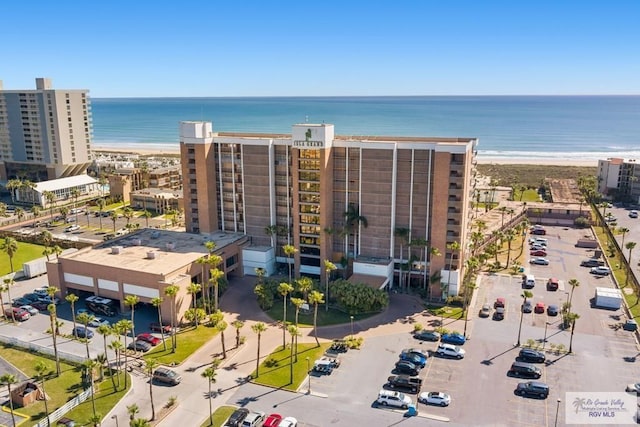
x: 593, y: 407
x: 307, y: 135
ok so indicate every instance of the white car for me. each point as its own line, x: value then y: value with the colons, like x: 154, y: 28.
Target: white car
x: 48, y: 300
x: 633, y: 388
x: 41, y: 291
x: 600, y: 271
x: 32, y: 310
x: 539, y: 261
x: 434, y: 398
x: 391, y: 398
x: 97, y: 322
x: 450, y: 350
x: 74, y: 227
x: 288, y: 422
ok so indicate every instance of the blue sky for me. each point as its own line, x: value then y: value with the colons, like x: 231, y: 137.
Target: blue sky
x: 297, y: 48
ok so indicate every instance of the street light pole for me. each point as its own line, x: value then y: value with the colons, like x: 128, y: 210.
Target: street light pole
x: 557, y: 410
x: 115, y: 417
x: 352, y: 326
x: 309, y: 375
x: 544, y: 341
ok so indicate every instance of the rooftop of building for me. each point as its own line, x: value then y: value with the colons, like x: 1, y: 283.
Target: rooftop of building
x: 380, y: 138
x: 153, y: 251
x: 61, y: 183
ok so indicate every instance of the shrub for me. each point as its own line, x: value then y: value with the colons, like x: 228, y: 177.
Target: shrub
x: 456, y: 301
x: 271, y: 362
x: 358, y: 297
x: 172, y: 401
x: 417, y: 327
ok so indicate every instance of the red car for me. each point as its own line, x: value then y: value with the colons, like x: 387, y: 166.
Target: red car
x: 149, y: 338
x: 272, y: 420
x: 538, y: 252
x: 539, y: 308
x: 500, y: 302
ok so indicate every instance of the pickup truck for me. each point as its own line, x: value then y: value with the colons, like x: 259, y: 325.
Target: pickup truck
x: 404, y: 382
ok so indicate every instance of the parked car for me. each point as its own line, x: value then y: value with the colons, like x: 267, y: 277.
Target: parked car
x: 449, y: 350
x: 633, y: 214
x: 539, y: 261
x: 167, y: 376
x: 539, y: 307
x: 416, y: 359
x: 420, y: 352
x: 82, y: 332
x: 630, y: 325
x: 552, y: 310
x: 29, y: 309
x: 552, y: 284
x: 404, y: 382
x: 142, y: 346
x: 454, y: 338
x: 42, y: 291
x: 19, y: 314
x: 40, y: 305
x: 48, y: 300
x: 485, y: 311
x: 533, y: 389
x: 500, y: 302
x: 537, y: 247
x: 394, y: 398
x: 499, y: 313
x: 592, y: 262
x: 237, y: 417
x: 32, y: 297
x: 19, y: 302
x: 74, y: 227
x: 147, y: 337
x: 539, y: 231
x: 600, y: 271
x: 427, y: 335
x: 633, y: 388
x: 96, y: 322
x: 255, y: 419
x: 527, y: 307
x: 288, y: 422
x: 434, y: 398
x: 405, y: 367
x: 272, y: 420
x: 532, y: 356
x: 157, y: 327
x: 524, y: 370
x: 538, y: 252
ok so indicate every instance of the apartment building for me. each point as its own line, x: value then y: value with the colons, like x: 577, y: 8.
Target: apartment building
x: 298, y: 188
x: 619, y: 179
x: 45, y: 133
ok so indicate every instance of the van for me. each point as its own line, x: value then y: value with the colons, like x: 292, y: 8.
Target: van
x: 394, y: 398
x: 529, y: 281
x: 524, y: 370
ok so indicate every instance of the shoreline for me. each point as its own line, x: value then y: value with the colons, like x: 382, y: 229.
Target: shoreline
x: 484, y: 160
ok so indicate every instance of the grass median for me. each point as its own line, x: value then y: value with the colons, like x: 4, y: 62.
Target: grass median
x: 275, y: 370
x: 189, y: 340
x: 220, y: 415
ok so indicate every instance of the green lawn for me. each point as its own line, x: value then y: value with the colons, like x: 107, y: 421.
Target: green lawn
x: 278, y: 375
x: 189, y: 340
x: 220, y: 415
x: 448, y: 312
x: 26, y: 252
x: 60, y: 389
x: 105, y: 399
x: 528, y: 196
x: 331, y: 317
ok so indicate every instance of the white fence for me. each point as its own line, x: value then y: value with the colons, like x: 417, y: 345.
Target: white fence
x: 41, y: 349
x: 58, y: 413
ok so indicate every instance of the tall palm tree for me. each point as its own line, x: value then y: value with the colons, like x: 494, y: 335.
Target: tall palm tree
x: 150, y: 366
x: 20, y: 214
x: 203, y: 262
x: 289, y: 251
x: 128, y: 214
x: 123, y: 327
x: 146, y: 215
x: 328, y: 268
x: 304, y: 285
x: 172, y: 292
x: 11, y: 186
x: 353, y: 221
x: 629, y: 246
x: 237, y: 324
x: 258, y: 328
x: 297, y: 303
x: 452, y: 248
x: 402, y: 234
x: 272, y: 231
x: 51, y: 308
x: 75, y: 193
x: 117, y: 348
x: 210, y: 374
x: 157, y: 303
x: 50, y: 197
x: 89, y: 365
x: 421, y: 243
x: 221, y: 326
x: 85, y: 319
x: 35, y: 211
x: 42, y: 370
x: 574, y: 284
x: 316, y: 298
x: 215, y: 274
x: 106, y: 331
x: 525, y: 295
x: 8, y: 282
x: 8, y: 380
x: 623, y: 231
x: 572, y: 317
x: 193, y: 290
x: 509, y: 236
x: 139, y: 422
x: 72, y: 298
x: 113, y: 216
x: 131, y: 301
x: 9, y: 246
x: 284, y: 289
x: 101, y: 204
x: 294, y: 332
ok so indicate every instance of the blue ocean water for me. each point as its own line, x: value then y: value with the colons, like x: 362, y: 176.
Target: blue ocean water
x: 543, y: 127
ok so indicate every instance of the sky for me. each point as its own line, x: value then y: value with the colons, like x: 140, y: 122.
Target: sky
x: 323, y: 48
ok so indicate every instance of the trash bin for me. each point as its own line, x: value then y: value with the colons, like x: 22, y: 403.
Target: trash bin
x: 412, y: 411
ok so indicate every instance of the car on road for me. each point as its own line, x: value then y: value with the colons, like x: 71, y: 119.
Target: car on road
x: 425, y: 335
x: 552, y: 310
x: 288, y: 422
x: 539, y: 307
x: 157, y: 327
x: 142, y: 346
x: 147, y: 337
x: 167, y: 376
x: 454, y: 338
x: 485, y: 311
x: 499, y: 313
x: 553, y: 284
x: 393, y: 398
x: 592, y: 262
x: 71, y: 228
x: 633, y: 388
x: 449, y: 350
x: 527, y: 307
x: 255, y: 419
x: 405, y: 367
x: 600, y: 271
x: 29, y: 309
x: 531, y: 356
x: 237, y: 417
x: 533, y: 389
x: 416, y: 359
x: 82, y: 332
x: 434, y: 398
x: 96, y: 322
x: 272, y: 420
x: 539, y: 261
x: 19, y: 314
x: 538, y: 252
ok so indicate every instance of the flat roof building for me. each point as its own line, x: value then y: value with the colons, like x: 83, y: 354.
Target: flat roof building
x: 619, y: 179
x: 358, y: 201
x: 45, y: 133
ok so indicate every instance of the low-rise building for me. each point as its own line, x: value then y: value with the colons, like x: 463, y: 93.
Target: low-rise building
x: 159, y: 200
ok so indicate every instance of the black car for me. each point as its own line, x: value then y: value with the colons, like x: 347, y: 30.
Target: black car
x: 236, y: 419
x: 533, y: 389
x: 527, y: 307
x: 39, y: 305
x: 32, y: 297
x: 532, y: 356
x: 18, y: 302
x: 139, y: 345
x: 427, y: 336
x: 82, y: 332
x: 404, y: 367
x: 499, y: 313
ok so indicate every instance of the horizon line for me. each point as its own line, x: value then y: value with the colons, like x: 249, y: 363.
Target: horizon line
x: 364, y: 96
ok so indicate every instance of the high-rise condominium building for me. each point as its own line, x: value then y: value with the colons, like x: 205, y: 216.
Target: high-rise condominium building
x: 44, y: 133
x: 371, y: 201
x: 619, y: 179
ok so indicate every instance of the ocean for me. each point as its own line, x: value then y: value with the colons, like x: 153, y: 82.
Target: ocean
x: 533, y: 127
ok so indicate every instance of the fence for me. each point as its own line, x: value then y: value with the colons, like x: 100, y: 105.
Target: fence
x: 59, y: 413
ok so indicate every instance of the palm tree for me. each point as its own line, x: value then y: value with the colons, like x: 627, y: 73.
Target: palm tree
x: 157, y: 303
x: 297, y: 302
x: 50, y: 197
x: 215, y: 274
x: 146, y: 215
x: 35, y: 211
x: 238, y: 324
x: 72, y: 298
x: 57, y: 250
x: 89, y: 366
x: 221, y: 326
x: 272, y: 231
x: 571, y: 318
x: 304, y: 284
x: 289, y: 251
x: 193, y: 290
x: 10, y: 247
x: 8, y: 380
x: 8, y: 282
x: 106, y: 331
x: 452, y: 248
x: 128, y: 214
x: 132, y: 410
x: 20, y: 214
x: 172, y: 292
x: 3, y: 288
x: 151, y: 365
x: 54, y: 334
x: 630, y: 246
x: 623, y: 231
x: 131, y: 301
x: 85, y: 319
x: 258, y: 328
x: 11, y: 186
x: 402, y: 234
x: 509, y: 236
x: 75, y: 193
x: 139, y: 422
x: 123, y: 327
x: 101, y: 204
x: 574, y: 284
x: 525, y: 295
x: 293, y: 331
x: 117, y: 348
x: 210, y: 374
x: 353, y: 221
x: 328, y: 268
x: 113, y: 216
x: 316, y: 298
x: 42, y: 370
x: 203, y: 261
x: 284, y: 289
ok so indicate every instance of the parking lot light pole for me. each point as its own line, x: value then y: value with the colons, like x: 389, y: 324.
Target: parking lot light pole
x: 352, y: 326
x: 544, y: 341
x: 309, y: 375
x: 115, y: 417
x: 557, y: 410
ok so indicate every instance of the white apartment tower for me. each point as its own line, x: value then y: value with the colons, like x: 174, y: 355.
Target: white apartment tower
x: 44, y: 133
